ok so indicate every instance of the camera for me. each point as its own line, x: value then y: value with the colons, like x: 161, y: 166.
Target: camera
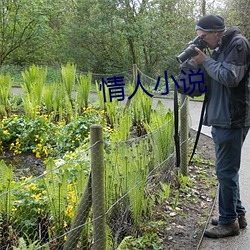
x: 190, y: 51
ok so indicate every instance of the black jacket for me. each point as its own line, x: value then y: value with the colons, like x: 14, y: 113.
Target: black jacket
x: 229, y: 91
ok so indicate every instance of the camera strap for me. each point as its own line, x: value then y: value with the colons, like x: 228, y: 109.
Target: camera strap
x: 176, y: 126
x: 199, y: 127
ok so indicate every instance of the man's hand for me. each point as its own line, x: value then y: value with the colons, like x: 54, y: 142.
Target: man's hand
x: 200, y: 58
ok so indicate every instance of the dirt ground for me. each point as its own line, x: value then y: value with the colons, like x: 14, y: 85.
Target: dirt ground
x: 187, y: 223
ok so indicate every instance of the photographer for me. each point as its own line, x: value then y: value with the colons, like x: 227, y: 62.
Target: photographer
x: 228, y: 112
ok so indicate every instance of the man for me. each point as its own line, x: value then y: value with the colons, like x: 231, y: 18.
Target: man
x: 228, y: 112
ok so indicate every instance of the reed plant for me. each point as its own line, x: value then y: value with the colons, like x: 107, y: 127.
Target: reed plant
x: 6, y: 184
x: 161, y: 132
x: 68, y: 74
x: 62, y: 106
x: 141, y: 106
x: 122, y: 125
x: 5, y: 90
x: 65, y: 181
x: 56, y: 187
x: 34, y: 80
x: 126, y: 172
x: 56, y: 184
x: 137, y: 180
x: 100, y: 95
x: 48, y: 98
x: 83, y: 90
x: 114, y: 109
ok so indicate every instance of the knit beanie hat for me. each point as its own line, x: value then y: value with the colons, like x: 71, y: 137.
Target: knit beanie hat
x: 211, y: 23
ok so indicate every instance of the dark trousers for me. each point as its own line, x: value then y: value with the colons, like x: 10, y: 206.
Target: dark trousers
x: 228, y: 145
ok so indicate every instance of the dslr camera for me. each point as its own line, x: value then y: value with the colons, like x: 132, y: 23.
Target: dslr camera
x: 190, y: 51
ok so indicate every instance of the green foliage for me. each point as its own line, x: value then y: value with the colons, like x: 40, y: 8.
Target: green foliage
x: 103, y: 36
x: 114, y: 110
x: 184, y: 181
x: 126, y: 171
x: 56, y: 187
x: 127, y: 161
x: 43, y: 137
x: 5, y: 90
x: 235, y: 13
x: 100, y: 96
x: 83, y: 90
x: 23, y: 25
x: 164, y: 192
x: 122, y: 125
x: 6, y: 184
x: 48, y: 98
x: 161, y: 126
x: 33, y: 85
x: 147, y: 241
x: 15, y: 71
x: 51, y: 199
x: 30, y: 245
x: 115, y: 36
x: 176, y: 199
x: 141, y: 107
x: 68, y: 74
x: 30, y: 206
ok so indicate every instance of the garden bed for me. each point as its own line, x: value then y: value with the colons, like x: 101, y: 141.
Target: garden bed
x: 150, y: 205
x: 178, y: 222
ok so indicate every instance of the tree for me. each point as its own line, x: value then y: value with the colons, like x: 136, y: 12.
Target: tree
x: 110, y: 36
x: 20, y: 22
x: 237, y: 13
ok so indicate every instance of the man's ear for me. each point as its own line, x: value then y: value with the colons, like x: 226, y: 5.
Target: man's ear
x: 219, y: 34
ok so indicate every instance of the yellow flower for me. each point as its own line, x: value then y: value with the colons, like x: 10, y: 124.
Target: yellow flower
x: 14, y: 209
x: 37, y: 196
x: 73, y: 199
x: 31, y: 187
x: 69, y: 211
x: 45, y: 151
x: 6, y: 132
x: 102, y: 112
x: 38, y: 155
x: 16, y: 152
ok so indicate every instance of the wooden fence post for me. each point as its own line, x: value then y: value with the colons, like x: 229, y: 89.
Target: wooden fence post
x: 135, y: 73
x: 98, y: 194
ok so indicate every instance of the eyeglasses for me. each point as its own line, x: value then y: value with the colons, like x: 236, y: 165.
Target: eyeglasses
x: 203, y: 36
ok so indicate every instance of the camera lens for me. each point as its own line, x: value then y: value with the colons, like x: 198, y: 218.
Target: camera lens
x: 187, y: 53
x: 190, y: 51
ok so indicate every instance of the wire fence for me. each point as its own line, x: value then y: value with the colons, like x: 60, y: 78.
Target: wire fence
x: 55, y: 210
x: 43, y: 208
